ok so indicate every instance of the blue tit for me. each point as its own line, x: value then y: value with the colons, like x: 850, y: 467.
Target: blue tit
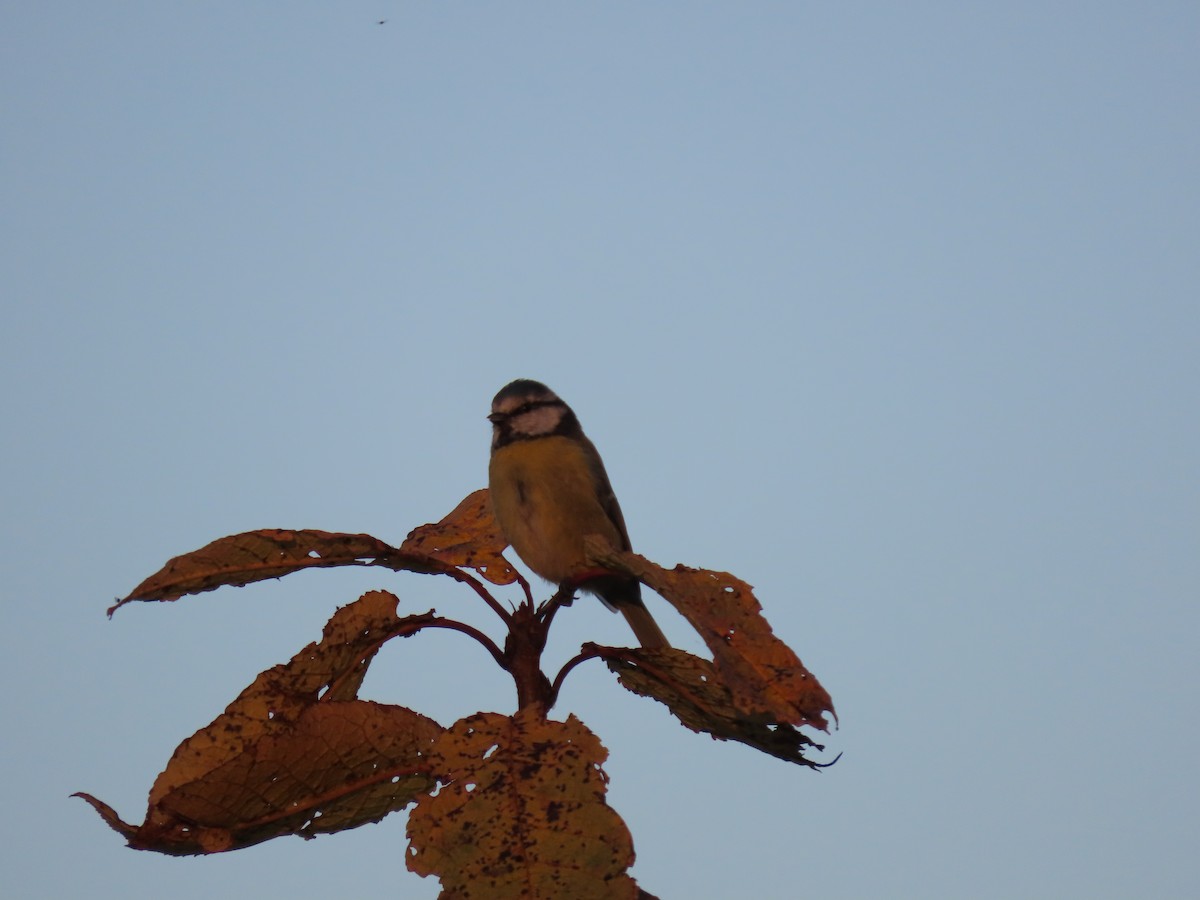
x: 549, y: 490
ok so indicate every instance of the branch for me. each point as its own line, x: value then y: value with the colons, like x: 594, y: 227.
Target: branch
x: 440, y: 568
x: 469, y: 631
x: 590, y: 651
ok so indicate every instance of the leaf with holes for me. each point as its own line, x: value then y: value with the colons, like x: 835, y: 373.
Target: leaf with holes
x: 242, y: 559
x: 468, y: 537
x: 690, y: 687
x: 296, y: 752
x: 765, y: 678
x: 522, y: 814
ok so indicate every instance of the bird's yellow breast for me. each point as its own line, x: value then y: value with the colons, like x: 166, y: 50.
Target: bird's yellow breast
x: 545, y: 496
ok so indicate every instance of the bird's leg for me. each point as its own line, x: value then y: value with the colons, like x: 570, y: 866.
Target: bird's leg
x: 564, y: 596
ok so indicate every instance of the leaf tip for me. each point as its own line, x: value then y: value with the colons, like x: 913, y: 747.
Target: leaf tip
x: 828, y: 764
x: 108, y: 814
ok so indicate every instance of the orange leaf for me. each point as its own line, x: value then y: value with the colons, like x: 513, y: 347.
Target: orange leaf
x: 255, y: 556
x: 764, y: 676
x: 522, y: 814
x: 690, y: 687
x: 296, y: 752
x: 467, y: 537
x: 340, y: 765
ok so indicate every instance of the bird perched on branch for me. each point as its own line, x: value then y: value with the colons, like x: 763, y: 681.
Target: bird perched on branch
x: 549, y: 490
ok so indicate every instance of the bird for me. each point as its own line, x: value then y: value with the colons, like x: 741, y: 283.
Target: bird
x: 549, y: 490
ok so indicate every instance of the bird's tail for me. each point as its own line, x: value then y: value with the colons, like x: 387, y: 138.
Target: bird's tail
x: 644, y: 627
x: 625, y: 596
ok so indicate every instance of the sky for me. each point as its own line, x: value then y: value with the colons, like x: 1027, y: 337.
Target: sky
x: 888, y: 309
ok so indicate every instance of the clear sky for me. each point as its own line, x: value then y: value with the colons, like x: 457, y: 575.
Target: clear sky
x: 889, y: 309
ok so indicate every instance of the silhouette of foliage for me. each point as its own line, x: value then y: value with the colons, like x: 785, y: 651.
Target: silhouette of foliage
x: 503, y: 805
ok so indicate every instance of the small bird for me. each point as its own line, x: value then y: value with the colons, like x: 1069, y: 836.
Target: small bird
x: 549, y: 490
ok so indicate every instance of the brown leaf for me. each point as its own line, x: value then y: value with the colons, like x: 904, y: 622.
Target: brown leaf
x: 340, y: 765
x: 690, y: 687
x: 764, y: 676
x: 467, y: 537
x: 241, y: 559
x: 522, y: 815
x: 296, y: 752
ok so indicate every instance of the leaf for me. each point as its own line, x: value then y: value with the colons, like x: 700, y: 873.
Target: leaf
x: 522, y: 814
x: 690, y: 687
x: 342, y: 764
x: 467, y: 537
x: 242, y: 559
x: 765, y: 678
x: 296, y: 752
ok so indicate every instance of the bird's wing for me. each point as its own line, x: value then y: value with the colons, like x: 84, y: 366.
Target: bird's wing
x: 604, y: 493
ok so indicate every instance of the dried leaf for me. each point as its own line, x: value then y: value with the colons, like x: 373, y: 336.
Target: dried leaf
x: 342, y: 764
x: 522, y: 814
x: 468, y: 537
x: 241, y: 559
x: 690, y: 687
x: 334, y: 667
x: 764, y: 676
x: 296, y: 752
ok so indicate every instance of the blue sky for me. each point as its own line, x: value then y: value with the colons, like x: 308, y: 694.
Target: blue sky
x: 890, y: 310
